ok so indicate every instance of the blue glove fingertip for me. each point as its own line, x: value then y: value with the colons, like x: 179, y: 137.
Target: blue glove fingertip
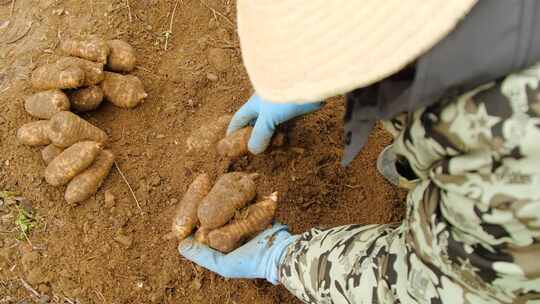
x: 261, y: 135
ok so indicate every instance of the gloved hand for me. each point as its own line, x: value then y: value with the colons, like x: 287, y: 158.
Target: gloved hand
x: 257, y: 259
x: 268, y: 116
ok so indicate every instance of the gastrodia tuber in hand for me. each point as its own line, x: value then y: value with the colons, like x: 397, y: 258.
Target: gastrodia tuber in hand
x: 71, y: 162
x: 124, y: 91
x: 93, y: 48
x: 47, y: 103
x: 258, y: 217
x: 185, y: 216
x: 87, y: 183
x: 34, y: 133
x: 231, y: 192
x: 55, y: 76
x: 85, y: 99
x: 121, y: 56
x: 66, y: 128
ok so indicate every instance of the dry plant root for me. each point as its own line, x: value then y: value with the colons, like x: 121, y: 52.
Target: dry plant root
x: 93, y: 71
x: 50, y: 152
x: 124, y: 91
x: 121, y: 56
x: 71, y: 162
x: 34, y: 133
x: 88, y: 182
x: 231, y: 192
x: 56, y: 76
x: 204, y: 137
x: 258, y: 217
x: 185, y: 216
x: 93, y: 49
x: 236, y: 144
x: 86, y: 99
x: 66, y: 128
x: 47, y: 103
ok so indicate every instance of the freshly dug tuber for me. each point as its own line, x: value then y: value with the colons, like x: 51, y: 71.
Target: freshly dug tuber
x: 50, y: 152
x: 94, y: 49
x: 66, y: 128
x: 47, y: 103
x: 56, y: 76
x: 88, y: 182
x: 34, y: 133
x: 185, y: 216
x: 201, y: 235
x: 121, y: 56
x: 71, y: 162
x: 124, y: 91
x: 204, y: 137
x: 236, y: 144
x: 258, y: 217
x: 86, y: 99
x: 93, y: 71
x: 231, y: 192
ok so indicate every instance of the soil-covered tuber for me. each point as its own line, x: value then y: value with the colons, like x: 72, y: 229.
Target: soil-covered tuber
x: 47, y: 103
x: 56, y: 76
x: 93, y: 71
x: 121, y: 56
x: 236, y: 144
x: 88, y: 182
x: 86, y: 99
x: 185, y: 216
x: 34, y: 133
x: 204, y: 137
x: 124, y: 91
x: 258, y: 217
x: 93, y: 49
x: 71, y: 162
x: 50, y: 152
x: 231, y: 192
x: 66, y: 128
x: 201, y: 235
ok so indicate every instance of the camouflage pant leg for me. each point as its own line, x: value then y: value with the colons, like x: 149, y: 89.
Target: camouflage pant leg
x: 472, y: 228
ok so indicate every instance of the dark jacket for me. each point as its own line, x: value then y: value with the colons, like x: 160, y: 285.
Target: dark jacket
x: 496, y: 38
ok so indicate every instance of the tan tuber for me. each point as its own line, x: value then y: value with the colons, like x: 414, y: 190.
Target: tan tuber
x: 71, y: 162
x: 56, y: 76
x: 207, y: 135
x: 66, y: 128
x: 93, y: 49
x: 86, y: 184
x: 34, y: 133
x: 121, y: 56
x: 93, y: 71
x: 86, y: 99
x: 47, y: 103
x: 124, y: 91
x: 50, y: 152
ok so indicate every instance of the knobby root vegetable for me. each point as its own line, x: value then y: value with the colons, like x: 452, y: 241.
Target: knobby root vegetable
x: 71, y: 162
x: 121, y: 56
x: 231, y: 192
x: 236, y: 144
x: 50, y: 152
x: 94, y: 49
x: 34, y: 133
x: 86, y: 99
x: 93, y: 71
x: 47, y: 103
x: 185, y: 216
x: 66, y: 128
x: 257, y: 218
x: 88, y: 182
x: 124, y: 91
x: 204, y: 137
x: 56, y: 76
x: 201, y: 235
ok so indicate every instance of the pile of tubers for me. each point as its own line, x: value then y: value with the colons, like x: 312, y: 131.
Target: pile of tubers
x: 90, y: 71
x: 220, y: 213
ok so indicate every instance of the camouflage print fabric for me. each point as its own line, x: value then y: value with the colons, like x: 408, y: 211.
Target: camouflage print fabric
x: 472, y: 229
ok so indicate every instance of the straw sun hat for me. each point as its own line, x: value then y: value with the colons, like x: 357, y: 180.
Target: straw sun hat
x: 308, y: 50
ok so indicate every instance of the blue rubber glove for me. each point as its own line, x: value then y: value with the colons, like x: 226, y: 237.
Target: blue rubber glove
x: 268, y: 116
x: 257, y: 259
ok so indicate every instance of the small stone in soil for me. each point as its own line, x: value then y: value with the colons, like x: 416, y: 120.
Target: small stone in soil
x: 124, y: 240
x: 109, y: 199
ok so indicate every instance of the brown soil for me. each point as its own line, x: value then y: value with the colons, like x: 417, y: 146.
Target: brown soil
x: 107, y: 250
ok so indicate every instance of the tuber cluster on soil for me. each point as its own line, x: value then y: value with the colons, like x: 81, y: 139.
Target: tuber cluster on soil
x: 93, y: 49
x: 56, y: 76
x: 231, y: 192
x: 71, y: 162
x: 34, y: 133
x: 46, y: 103
x: 86, y: 99
x: 185, y: 216
x: 88, y: 182
x: 258, y: 217
x: 121, y: 56
x: 124, y: 91
x: 66, y: 128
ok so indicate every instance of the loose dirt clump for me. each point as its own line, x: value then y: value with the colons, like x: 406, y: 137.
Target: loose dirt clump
x: 107, y: 249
